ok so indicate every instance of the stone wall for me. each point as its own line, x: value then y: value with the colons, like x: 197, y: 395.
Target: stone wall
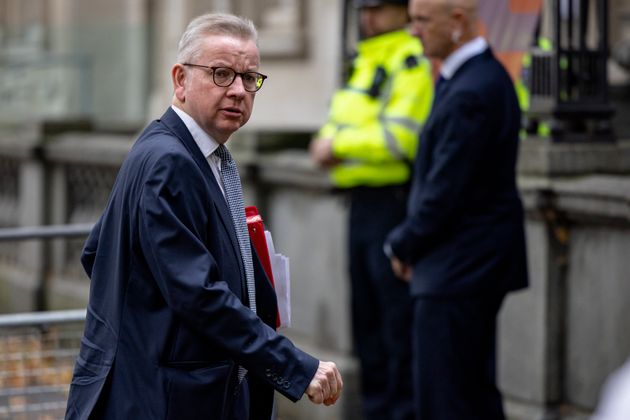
x: 562, y: 337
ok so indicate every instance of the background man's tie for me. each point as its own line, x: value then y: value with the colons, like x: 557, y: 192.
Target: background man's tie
x: 440, y: 85
x: 234, y: 197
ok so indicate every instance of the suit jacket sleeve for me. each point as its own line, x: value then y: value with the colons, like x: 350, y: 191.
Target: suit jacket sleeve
x: 90, y: 247
x: 172, y: 232
x: 461, y: 128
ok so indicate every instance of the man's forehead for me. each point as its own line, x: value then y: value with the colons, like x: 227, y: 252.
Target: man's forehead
x: 427, y: 3
x: 220, y: 40
x: 466, y: 4
x: 229, y: 46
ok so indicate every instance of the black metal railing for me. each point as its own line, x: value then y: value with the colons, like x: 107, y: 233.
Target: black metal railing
x: 38, y: 349
x: 44, y: 233
x: 582, y: 110
x: 37, y: 354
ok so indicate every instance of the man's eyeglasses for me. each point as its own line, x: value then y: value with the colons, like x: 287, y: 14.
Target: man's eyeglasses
x: 225, y: 76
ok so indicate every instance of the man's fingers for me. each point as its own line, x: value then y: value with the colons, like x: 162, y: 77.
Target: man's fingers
x: 321, y: 151
x: 339, y: 382
x: 314, y: 392
x: 336, y: 384
x: 397, y: 267
x: 325, y: 388
x: 331, y: 387
x: 408, y: 274
x: 401, y: 270
x: 326, y: 385
x: 316, y: 396
x: 331, y: 380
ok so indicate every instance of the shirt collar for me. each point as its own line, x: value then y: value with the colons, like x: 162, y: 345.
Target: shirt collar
x: 206, y: 144
x: 458, y: 57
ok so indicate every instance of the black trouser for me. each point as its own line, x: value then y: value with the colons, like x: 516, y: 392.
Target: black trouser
x: 454, y: 345
x: 381, y: 305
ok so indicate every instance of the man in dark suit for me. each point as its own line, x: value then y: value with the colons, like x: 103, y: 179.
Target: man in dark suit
x: 462, y: 245
x: 180, y: 316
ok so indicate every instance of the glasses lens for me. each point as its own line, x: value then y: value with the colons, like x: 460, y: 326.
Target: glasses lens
x: 223, y: 76
x: 252, y: 81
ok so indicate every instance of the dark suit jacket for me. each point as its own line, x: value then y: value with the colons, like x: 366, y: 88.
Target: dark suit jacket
x: 166, y: 323
x: 464, y: 229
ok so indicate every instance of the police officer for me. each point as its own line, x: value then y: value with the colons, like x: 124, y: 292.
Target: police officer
x: 368, y: 143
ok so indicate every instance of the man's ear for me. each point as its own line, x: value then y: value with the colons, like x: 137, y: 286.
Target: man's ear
x: 456, y: 36
x: 178, y: 76
x: 459, y: 24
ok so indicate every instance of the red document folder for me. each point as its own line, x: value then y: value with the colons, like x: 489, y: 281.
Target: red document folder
x: 256, y: 230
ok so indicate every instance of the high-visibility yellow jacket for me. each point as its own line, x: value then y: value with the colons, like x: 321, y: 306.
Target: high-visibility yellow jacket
x: 376, y: 118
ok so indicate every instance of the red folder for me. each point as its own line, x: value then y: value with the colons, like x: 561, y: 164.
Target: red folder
x: 256, y: 230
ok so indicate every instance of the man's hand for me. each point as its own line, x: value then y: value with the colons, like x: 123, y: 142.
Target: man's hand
x: 321, y: 152
x: 326, y: 385
x: 402, y: 270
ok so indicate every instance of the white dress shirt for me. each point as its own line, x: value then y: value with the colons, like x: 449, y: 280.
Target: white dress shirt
x: 464, y: 53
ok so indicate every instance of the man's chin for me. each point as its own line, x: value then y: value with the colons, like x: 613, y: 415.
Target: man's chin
x: 228, y: 129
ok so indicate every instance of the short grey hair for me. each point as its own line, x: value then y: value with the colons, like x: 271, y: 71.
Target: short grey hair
x: 213, y: 24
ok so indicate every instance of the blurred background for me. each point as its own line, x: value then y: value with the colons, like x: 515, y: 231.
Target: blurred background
x: 80, y: 78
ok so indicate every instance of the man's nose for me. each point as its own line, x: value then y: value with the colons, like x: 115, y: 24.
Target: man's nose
x: 237, y: 87
x: 412, y: 29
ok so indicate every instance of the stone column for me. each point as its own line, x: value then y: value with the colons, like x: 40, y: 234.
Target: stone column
x: 561, y: 338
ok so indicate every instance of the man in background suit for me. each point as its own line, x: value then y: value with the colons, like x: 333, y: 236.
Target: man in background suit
x: 462, y: 245
x: 368, y: 144
x: 180, y: 316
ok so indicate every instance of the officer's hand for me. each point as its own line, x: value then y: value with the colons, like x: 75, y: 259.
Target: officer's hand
x: 326, y: 385
x: 321, y: 152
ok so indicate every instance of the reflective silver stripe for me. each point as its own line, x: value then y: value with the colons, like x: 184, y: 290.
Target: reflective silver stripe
x: 392, y: 145
x: 405, y: 122
x: 390, y: 139
x: 342, y: 126
x: 357, y: 90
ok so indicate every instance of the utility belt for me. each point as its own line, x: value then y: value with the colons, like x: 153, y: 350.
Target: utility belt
x: 365, y: 194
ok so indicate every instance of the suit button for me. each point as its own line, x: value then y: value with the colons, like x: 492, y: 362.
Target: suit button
x: 287, y: 385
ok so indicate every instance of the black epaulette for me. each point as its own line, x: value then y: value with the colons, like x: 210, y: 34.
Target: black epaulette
x: 380, y: 75
x: 411, y: 61
x: 348, y: 67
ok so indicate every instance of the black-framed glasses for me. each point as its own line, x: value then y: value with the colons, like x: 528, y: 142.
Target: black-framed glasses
x: 225, y: 76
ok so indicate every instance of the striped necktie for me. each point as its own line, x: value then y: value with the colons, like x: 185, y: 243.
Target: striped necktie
x: 234, y: 197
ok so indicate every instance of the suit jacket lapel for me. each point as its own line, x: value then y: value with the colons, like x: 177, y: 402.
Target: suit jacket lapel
x: 177, y: 126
